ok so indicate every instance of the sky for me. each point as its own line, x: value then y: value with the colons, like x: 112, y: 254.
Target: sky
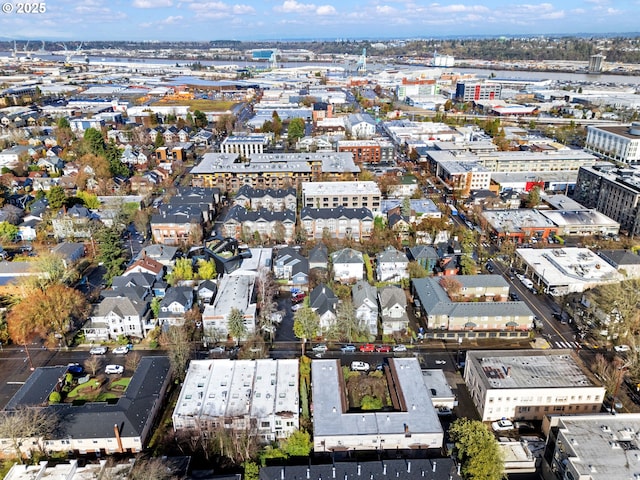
x: 184, y: 20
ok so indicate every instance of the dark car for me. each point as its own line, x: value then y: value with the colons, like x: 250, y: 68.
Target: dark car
x: 515, y: 297
x: 75, y: 369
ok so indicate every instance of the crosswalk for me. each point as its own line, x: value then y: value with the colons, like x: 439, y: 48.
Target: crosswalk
x: 568, y: 345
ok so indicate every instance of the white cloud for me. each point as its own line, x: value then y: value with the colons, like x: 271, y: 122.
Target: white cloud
x: 291, y: 6
x: 152, y: 3
x: 326, y: 10
x: 243, y: 10
x: 386, y: 10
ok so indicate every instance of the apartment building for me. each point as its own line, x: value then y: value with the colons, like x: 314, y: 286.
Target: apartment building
x: 368, y: 151
x: 341, y: 194
x: 258, y: 396
x: 245, y: 145
x: 340, y: 222
x: 474, y: 91
x: 234, y: 291
x: 529, y: 384
x: 618, y: 143
x: 612, y: 191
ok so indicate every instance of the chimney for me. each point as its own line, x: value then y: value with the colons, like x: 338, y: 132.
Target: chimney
x: 116, y: 430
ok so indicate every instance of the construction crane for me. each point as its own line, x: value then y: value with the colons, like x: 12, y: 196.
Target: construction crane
x: 273, y: 59
x: 361, y: 66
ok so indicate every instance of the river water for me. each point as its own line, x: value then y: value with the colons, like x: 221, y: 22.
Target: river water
x: 566, y: 77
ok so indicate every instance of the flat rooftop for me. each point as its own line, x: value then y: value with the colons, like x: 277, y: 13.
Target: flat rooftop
x: 530, y: 369
x: 623, y: 131
x: 588, y: 218
x: 515, y: 221
x: 560, y: 266
x: 340, y: 188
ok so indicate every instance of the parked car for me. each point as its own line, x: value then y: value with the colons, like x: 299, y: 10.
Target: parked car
x: 360, y: 366
x: 441, y: 362
x: 98, y: 350
x: 383, y: 349
x: 444, y: 411
x: 514, y: 296
x: 348, y: 348
x: 296, y: 307
x: 399, y: 348
x: 217, y: 349
x: 320, y: 348
x: 368, y: 348
x: 114, y: 369
x: 502, y: 425
x: 75, y: 369
x: 298, y: 297
x: 121, y: 350
x: 524, y: 427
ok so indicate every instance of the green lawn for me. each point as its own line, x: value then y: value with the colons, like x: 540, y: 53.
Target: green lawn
x: 89, y: 392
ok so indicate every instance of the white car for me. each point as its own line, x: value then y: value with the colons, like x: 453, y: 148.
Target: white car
x: 441, y: 362
x: 98, y: 350
x: 622, y: 348
x: 122, y: 350
x: 320, y: 348
x: 296, y: 307
x: 399, y: 348
x: 502, y: 425
x: 114, y: 369
x: 360, y: 366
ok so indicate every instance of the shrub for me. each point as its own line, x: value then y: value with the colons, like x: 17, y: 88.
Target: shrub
x: 55, y: 397
x: 369, y: 402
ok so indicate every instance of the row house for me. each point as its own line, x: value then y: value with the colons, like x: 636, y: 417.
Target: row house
x: 269, y: 198
x: 177, y: 228
x: 242, y: 223
x: 340, y: 222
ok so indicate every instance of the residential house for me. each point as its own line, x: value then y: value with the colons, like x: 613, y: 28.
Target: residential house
x: 116, y: 317
x: 324, y: 302
x: 173, y: 306
x: 361, y: 125
x: 319, y: 257
x: 340, y: 222
x: 391, y: 265
x: 206, y: 290
x: 73, y: 223
x: 276, y: 225
x: 52, y: 165
x: 203, y: 138
x: 291, y: 266
x: 401, y: 225
x: 141, y: 285
x: 348, y: 265
x: 406, y: 187
x: 146, y: 265
x: 69, y: 252
x: 132, y: 157
x: 425, y: 255
x: 27, y: 230
x: 365, y: 302
x: 163, y: 254
x: 393, y: 309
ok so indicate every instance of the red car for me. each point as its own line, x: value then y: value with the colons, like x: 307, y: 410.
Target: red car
x: 368, y: 347
x: 383, y: 349
x: 298, y: 297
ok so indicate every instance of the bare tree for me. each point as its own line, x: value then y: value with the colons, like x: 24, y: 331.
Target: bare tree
x: 25, y: 425
x: 93, y: 364
x: 132, y: 361
x: 145, y: 468
x: 177, y: 340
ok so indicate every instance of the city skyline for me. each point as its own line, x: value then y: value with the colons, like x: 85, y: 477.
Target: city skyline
x: 186, y: 20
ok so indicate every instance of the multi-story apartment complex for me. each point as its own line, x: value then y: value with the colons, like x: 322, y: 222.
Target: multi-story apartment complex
x: 256, y: 396
x: 529, y: 384
x: 463, y: 177
x: 272, y: 170
x: 614, y: 192
x: 368, y: 151
x: 474, y: 91
x: 245, y: 145
x: 618, y: 143
x: 341, y: 194
x: 340, y: 222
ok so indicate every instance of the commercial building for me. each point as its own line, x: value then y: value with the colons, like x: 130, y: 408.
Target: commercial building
x: 520, y: 226
x: 582, y: 222
x: 346, y: 194
x: 256, y: 396
x: 529, y: 384
x: 474, y: 91
x: 618, y: 143
x: 559, y: 271
x: 593, y: 447
x: 412, y: 423
x: 612, y: 191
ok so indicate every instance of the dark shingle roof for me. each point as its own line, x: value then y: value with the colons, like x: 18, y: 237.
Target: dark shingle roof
x: 323, y: 300
x: 37, y: 388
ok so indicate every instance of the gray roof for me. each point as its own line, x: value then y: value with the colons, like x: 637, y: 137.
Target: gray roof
x: 423, y: 251
x: 347, y: 255
x: 133, y: 279
x: 363, y: 291
x: 160, y: 253
x: 251, y: 192
x: 618, y: 258
x: 337, y: 212
x: 289, y: 256
x: 391, y: 295
x: 410, y: 469
x: 323, y: 300
x: 37, y: 388
x: 122, y: 306
x: 241, y: 214
x: 182, y: 295
x: 319, y: 254
x: 391, y: 255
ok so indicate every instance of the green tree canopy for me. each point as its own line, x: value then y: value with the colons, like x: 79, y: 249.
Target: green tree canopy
x: 8, y: 232
x: 306, y: 324
x: 56, y: 197
x: 296, y: 130
x: 206, y: 269
x: 89, y: 200
x: 235, y: 324
x: 182, y: 270
x: 477, y: 450
x: 94, y: 141
x: 298, y: 444
x: 110, y: 252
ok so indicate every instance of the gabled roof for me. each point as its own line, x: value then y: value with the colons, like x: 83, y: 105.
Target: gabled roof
x: 290, y: 257
x: 347, y: 255
x: 133, y: 279
x: 338, y: 212
x: 363, y: 292
x: 121, y: 306
x: 319, y: 254
x: 423, y: 251
x: 251, y: 192
x: 391, y: 255
x: 619, y: 258
x: 240, y: 214
x: 181, y: 295
x: 391, y: 295
x: 149, y: 264
x: 323, y: 300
